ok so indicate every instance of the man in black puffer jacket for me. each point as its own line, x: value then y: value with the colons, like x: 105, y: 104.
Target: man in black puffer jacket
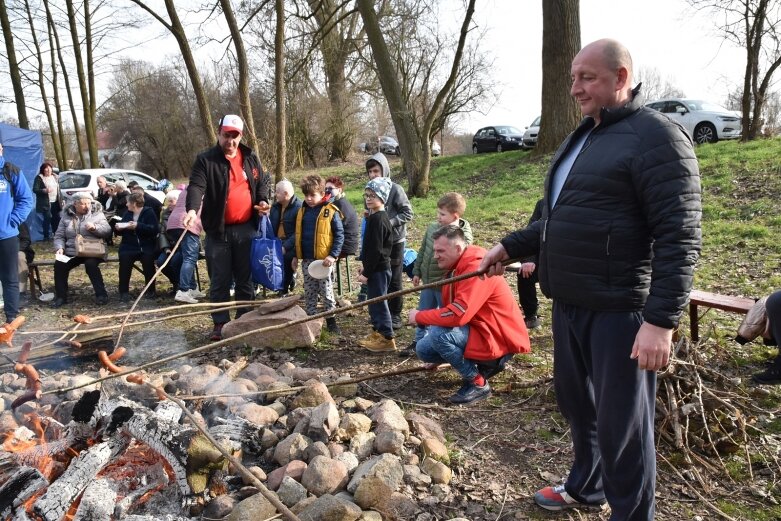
x: 230, y: 181
x: 618, y: 240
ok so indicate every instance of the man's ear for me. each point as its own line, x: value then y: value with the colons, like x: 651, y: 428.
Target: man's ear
x: 621, y: 78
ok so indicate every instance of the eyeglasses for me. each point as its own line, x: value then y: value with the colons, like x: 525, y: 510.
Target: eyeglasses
x: 370, y: 196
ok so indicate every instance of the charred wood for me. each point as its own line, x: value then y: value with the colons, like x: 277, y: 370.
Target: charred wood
x: 97, y: 502
x: 21, y: 486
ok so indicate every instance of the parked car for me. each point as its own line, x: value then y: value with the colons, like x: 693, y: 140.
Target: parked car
x: 497, y: 139
x: 705, y: 122
x: 86, y: 180
x: 436, y: 150
x: 384, y: 144
x: 530, y: 136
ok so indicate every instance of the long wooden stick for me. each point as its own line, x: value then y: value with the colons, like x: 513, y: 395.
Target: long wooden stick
x: 324, y: 314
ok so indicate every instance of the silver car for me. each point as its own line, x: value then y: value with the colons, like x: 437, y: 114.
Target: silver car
x: 705, y: 122
x: 86, y: 180
x: 530, y: 136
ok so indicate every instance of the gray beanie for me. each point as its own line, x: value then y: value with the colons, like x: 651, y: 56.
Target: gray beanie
x: 380, y: 186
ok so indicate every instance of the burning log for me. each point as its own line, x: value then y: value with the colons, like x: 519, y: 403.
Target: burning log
x: 61, y: 494
x: 97, y: 502
x: 241, y: 431
x: 21, y: 486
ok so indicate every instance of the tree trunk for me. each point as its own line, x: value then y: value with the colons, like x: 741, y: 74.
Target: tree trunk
x: 85, y: 102
x: 66, y: 78
x: 560, y: 44
x: 177, y: 30
x: 13, y: 67
x: 91, y: 111
x: 62, y: 159
x: 241, y: 59
x: 279, y: 88
x: 42, y: 80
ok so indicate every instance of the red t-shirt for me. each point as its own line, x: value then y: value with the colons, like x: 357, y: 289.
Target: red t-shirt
x: 238, y: 207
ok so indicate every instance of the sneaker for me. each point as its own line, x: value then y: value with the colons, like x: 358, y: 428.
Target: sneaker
x: 330, y: 325
x: 556, y: 498
x: 196, y: 293
x: 409, y: 350
x: 471, y: 392
x: 369, y: 338
x: 101, y: 300
x: 533, y: 322
x: 185, y: 296
x: 59, y: 302
x: 216, y: 332
x: 770, y: 376
x: 396, y: 322
x: 376, y: 343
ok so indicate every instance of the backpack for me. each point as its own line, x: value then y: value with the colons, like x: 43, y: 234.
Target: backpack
x: 755, y: 323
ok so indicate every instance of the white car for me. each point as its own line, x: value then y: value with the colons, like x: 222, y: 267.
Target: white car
x: 86, y: 180
x: 530, y: 135
x: 705, y: 122
x: 436, y: 150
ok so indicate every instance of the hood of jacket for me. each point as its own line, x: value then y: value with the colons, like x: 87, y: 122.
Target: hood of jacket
x: 381, y: 159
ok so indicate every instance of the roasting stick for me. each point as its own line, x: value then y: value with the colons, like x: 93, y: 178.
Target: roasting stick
x: 227, y: 341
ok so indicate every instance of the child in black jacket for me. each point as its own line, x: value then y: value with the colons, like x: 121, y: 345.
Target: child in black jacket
x: 376, y: 271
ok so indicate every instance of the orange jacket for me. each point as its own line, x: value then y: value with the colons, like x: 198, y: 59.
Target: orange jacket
x: 496, y: 325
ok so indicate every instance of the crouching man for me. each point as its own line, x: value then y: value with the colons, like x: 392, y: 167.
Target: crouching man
x: 479, y: 328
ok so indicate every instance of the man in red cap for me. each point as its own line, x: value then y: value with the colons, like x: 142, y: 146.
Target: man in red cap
x: 229, y: 179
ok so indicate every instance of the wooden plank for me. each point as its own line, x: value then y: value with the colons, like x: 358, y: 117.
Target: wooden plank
x: 724, y: 302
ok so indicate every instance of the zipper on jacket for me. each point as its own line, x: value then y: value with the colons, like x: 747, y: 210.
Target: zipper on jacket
x: 545, y: 229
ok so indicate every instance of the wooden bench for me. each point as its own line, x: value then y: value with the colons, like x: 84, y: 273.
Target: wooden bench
x: 706, y: 299
x: 34, y: 274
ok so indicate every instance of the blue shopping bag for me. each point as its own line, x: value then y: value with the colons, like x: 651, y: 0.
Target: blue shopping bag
x: 266, y: 257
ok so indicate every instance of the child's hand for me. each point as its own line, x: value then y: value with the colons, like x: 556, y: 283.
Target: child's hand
x: 328, y: 261
x: 362, y: 279
x: 294, y: 263
x: 416, y: 281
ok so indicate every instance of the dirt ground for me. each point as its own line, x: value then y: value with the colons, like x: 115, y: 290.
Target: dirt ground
x: 503, y: 449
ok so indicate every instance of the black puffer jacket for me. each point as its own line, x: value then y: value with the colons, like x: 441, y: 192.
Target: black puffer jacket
x: 209, y: 180
x: 625, y: 232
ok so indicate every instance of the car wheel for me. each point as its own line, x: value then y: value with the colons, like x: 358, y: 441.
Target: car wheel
x: 705, y: 133
x: 397, y: 151
x: 499, y: 147
x: 474, y: 149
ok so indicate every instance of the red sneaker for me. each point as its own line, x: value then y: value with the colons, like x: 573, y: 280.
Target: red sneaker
x: 217, y: 332
x: 556, y: 498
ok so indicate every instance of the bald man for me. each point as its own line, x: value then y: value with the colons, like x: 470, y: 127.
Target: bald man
x: 618, y: 241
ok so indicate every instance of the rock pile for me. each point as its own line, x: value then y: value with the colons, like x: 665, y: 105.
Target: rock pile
x: 326, y: 452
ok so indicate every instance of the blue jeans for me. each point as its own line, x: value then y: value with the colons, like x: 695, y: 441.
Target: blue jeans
x: 190, y: 247
x: 447, y: 344
x: 379, y: 312
x: 429, y: 299
x: 9, y: 276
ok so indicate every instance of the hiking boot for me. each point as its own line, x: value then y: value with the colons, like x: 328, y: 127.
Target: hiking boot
x: 396, y: 322
x: 770, y: 376
x: 101, y: 300
x: 556, y: 498
x: 471, y: 392
x: 216, y: 332
x: 376, y: 343
x: 409, y: 350
x: 59, y: 302
x: 369, y: 338
x: 533, y: 322
x: 185, y: 296
x: 196, y: 293
x: 124, y: 297
x: 149, y: 295
x: 330, y: 325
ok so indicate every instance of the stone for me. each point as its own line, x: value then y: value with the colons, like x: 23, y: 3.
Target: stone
x: 279, y: 407
x: 336, y: 448
x: 219, y: 507
x: 372, y: 492
x: 362, y: 404
x: 268, y: 439
x: 253, y: 508
x: 440, y: 491
x: 323, y: 422
x: 387, y: 416
x: 433, y: 448
x: 415, y: 477
x: 277, y: 305
x: 324, y: 476
x: 328, y: 507
x: 391, y: 442
x: 352, y: 423
x: 313, y: 395
x: 400, y: 506
x: 318, y: 448
x: 257, y: 472
x: 302, y: 374
x: 7, y: 423
x: 370, y: 515
x: 411, y: 458
x: 425, y: 427
x: 439, y: 472
x: 258, y: 414
x: 362, y: 444
x: 77, y: 379
x: 385, y: 466
x: 347, y: 390
x: 349, y: 460
x: 304, y: 334
x: 295, y: 469
x: 291, y: 448
x: 291, y: 491
x: 256, y: 369
x: 197, y: 379
x: 296, y: 416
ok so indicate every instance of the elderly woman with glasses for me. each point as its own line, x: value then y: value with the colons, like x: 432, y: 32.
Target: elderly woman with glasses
x: 82, y: 216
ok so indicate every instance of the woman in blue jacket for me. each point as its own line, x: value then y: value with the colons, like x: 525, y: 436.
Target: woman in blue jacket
x: 138, y: 229
x: 283, y: 221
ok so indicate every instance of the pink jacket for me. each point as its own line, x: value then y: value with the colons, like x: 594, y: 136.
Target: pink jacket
x: 180, y: 211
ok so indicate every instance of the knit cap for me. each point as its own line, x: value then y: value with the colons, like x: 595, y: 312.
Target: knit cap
x: 380, y: 186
